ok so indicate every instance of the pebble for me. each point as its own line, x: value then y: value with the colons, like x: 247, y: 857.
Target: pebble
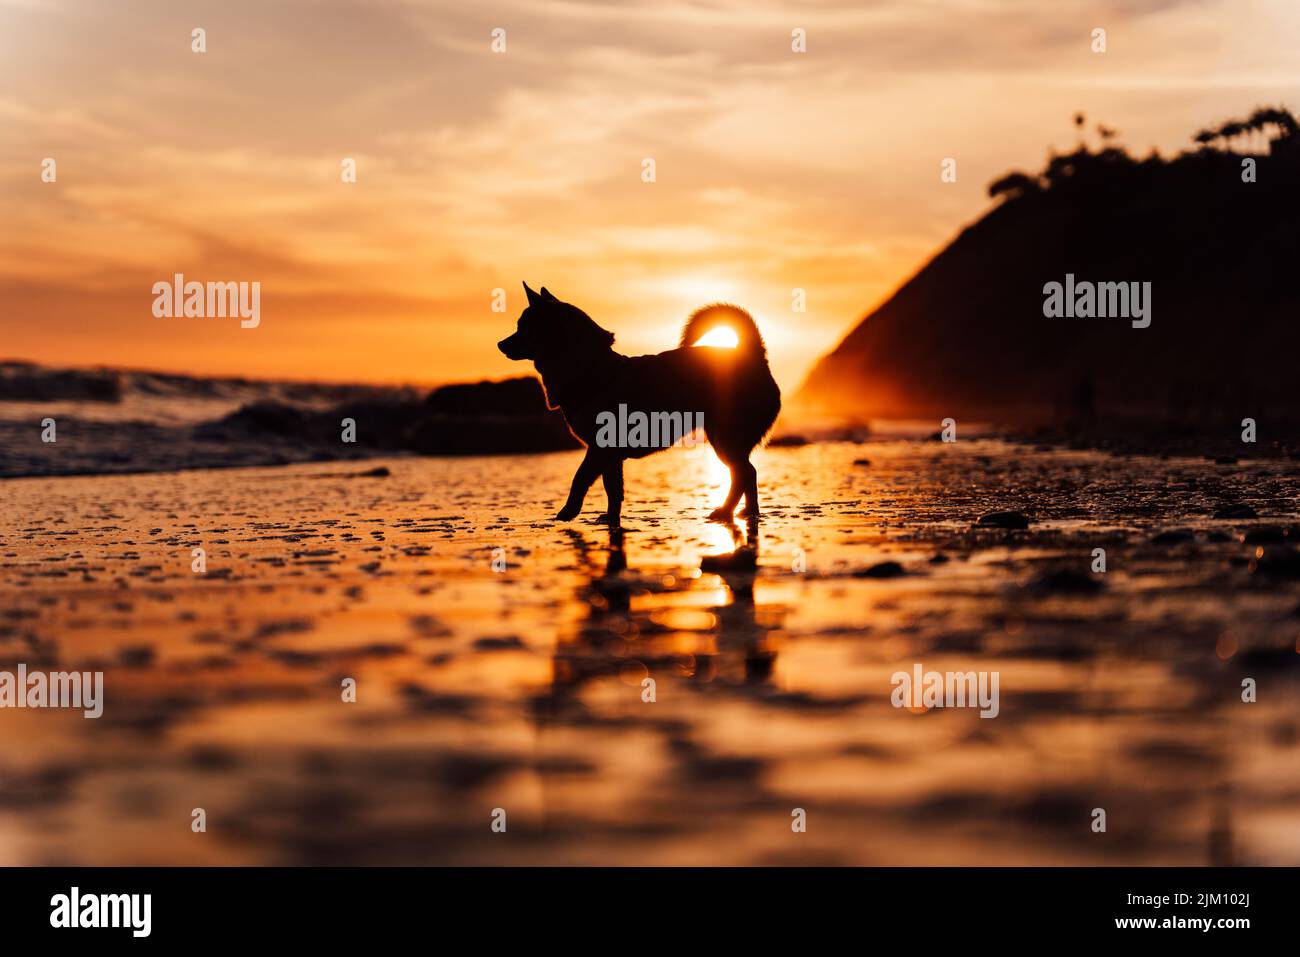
x: 881, y: 570
x: 1238, y: 510
x: 1004, y: 520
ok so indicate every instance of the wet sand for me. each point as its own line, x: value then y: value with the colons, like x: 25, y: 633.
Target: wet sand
x: 482, y: 688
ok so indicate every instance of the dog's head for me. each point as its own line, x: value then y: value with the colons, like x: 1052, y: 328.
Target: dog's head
x: 550, y: 329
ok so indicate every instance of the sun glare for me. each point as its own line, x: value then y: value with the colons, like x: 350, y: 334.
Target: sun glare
x: 721, y: 336
x: 716, y: 472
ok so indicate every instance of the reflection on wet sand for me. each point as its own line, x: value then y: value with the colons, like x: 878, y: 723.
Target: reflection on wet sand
x: 707, y: 644
x: 501, y: 661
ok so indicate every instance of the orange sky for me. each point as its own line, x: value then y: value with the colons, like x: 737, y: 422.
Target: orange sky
x: 476, y: 170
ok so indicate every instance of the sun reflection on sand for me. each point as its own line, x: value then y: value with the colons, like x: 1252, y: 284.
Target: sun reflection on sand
x: 524, y: 688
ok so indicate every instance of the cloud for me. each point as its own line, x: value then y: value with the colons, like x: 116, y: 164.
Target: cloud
x: 774, y: 169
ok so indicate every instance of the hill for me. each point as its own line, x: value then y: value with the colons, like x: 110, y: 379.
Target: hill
x: 967, y: 337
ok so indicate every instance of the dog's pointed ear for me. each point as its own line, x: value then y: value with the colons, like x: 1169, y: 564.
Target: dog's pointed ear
x: 546, y: 294
x: 533, y: 298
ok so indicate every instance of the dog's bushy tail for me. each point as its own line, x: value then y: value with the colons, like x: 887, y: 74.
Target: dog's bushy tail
x: 704, y: 321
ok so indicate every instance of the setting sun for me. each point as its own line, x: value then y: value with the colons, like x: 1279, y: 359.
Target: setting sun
x: 722, y: 336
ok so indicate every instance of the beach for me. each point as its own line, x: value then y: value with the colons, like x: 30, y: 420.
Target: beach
x: 498, y: 661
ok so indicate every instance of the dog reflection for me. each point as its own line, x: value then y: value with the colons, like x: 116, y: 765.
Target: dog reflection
x: 616, y: 640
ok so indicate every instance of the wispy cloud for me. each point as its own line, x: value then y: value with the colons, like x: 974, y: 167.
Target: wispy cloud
x: 477, y: 170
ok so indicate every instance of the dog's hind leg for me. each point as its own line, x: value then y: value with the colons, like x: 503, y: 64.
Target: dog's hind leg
x: 737, y: 465
x: 613, y: 474
x: 582, y: 479
x: 749, y: 475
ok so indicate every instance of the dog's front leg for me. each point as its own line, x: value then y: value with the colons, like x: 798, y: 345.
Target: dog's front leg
x: 582, y: 480
x: 613, y: 473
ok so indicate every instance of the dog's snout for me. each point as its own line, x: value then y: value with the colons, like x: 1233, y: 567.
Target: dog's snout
x: 510, y: 347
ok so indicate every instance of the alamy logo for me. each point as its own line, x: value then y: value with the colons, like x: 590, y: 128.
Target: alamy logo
x: 210, y: 300
x: 55, y: 689
x: 1099, y: 300
x: 102, y: 910
x: 946, y: 689
x: 639, y: 430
